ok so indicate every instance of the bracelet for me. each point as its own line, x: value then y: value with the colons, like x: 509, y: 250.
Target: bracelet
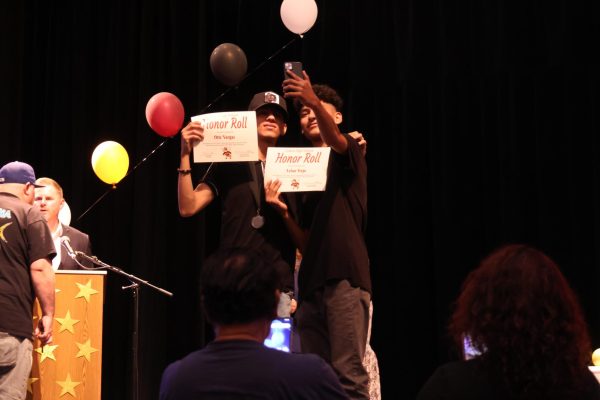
x: 184, y: 171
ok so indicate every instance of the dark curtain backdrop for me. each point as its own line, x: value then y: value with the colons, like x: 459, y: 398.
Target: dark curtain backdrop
x: 482, y: 120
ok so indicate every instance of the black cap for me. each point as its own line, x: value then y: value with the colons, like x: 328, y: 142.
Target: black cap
x: 268, y: 99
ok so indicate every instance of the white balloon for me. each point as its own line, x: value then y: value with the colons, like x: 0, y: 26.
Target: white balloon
x: 299, y: 15
x: 64, y: 214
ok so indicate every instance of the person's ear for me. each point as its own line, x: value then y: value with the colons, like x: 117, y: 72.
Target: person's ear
x: 28, y: 193
x: 338, y: 118
x: 283, y: 129
x: 28, y: 186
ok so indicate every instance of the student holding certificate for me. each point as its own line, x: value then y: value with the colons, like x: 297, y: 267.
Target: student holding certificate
x: 245, y: 218
x: 334, y: 279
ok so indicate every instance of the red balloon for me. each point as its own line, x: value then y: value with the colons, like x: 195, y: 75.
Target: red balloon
x: 164, y: 113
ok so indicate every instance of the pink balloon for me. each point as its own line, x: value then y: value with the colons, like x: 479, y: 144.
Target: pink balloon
x: 164, y: 113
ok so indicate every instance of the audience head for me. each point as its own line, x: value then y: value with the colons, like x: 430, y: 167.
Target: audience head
x: 519, y: 310
x: 238, y: 286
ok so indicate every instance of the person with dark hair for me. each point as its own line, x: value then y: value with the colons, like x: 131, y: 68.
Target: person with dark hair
x: 49, y: 198
x: 245, y: 219
x: 518, y: 311
x: 26, y: 249
x: 334, y: 280
x: 239, y: 291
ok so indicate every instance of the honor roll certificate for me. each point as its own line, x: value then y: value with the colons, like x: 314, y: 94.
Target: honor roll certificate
x: 228, y: 137
x: 300, y: 169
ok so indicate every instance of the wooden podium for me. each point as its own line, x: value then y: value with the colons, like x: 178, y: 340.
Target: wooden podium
x: 71, y: 366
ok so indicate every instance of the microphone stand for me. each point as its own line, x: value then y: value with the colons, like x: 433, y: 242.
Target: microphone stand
x: 135, y: 287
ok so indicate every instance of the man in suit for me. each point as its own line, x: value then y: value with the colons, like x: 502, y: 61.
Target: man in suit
x: 49, y: 199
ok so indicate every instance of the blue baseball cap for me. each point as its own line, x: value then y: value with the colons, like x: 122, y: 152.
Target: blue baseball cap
x: 18, y: 172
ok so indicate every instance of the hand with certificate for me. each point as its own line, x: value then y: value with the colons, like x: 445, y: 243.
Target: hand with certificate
x: 273, y: 196
x: 191, y: 134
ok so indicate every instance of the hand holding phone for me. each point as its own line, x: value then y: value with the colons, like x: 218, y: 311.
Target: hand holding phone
x: 294, y: 66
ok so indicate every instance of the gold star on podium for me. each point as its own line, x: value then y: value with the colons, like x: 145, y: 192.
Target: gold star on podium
x: 86, y: 290
x: 68, y: 386
x: 66, y: 323
x: 30, y: 382
x: 47, y: 352
x: 85, y: 350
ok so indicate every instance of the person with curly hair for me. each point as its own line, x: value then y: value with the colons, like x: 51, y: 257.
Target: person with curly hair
x: 519, y: 312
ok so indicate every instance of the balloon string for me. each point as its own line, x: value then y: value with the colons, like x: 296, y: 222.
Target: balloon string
x: 206, y: 108
x: 145, y: 158
x: 96, y: 202
x: 285, y: 46
x: 114, y: 186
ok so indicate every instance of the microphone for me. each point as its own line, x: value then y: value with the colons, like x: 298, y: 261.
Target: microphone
x: 66, y: 242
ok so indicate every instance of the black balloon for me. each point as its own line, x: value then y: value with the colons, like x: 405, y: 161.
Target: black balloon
x: 228, y: 64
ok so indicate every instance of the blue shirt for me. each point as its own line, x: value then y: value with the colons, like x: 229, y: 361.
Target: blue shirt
x: 245, y: 369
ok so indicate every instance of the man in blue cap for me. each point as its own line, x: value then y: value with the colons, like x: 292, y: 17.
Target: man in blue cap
x: 26, y: 248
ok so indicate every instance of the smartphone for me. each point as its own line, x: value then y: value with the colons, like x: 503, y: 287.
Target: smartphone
x: 280, y: 334
x: 469, y: 350
x: 294, y: 66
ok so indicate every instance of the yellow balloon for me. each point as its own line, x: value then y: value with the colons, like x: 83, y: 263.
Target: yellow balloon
x: 596, y: 357
x: 110, y: 162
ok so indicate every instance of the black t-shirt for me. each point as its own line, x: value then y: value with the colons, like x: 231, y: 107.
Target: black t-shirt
x: 24, y: 238
x: 241, y: 191
x: 337, y: 218
x: 469, y: 380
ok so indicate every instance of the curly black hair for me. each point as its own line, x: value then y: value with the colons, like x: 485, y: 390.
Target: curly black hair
x: 325, y: 93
